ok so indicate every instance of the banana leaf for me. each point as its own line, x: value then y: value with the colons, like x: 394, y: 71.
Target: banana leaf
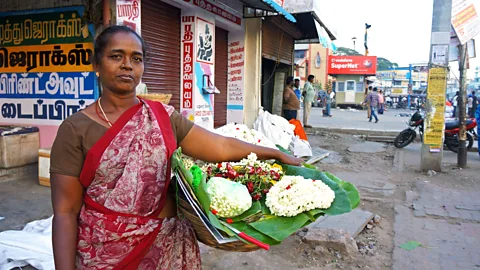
x: 352, y: 192
x: 280, y: 228
x: 254, y: 210
x: 246, y: 228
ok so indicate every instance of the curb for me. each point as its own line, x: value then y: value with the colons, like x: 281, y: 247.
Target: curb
x: 355, y: 131
x: 386, y: 136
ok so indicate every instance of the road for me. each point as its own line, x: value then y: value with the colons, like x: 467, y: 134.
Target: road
x: 342, y: 118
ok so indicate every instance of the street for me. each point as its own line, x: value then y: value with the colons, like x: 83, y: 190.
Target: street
x: 439, y: 211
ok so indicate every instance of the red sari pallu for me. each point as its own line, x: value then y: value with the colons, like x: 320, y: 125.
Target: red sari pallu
x: 126, y: 175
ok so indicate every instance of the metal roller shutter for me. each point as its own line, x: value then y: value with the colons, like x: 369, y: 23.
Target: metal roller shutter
x: 272, y: 34
x: 221, y: 71
x: 161, y: 31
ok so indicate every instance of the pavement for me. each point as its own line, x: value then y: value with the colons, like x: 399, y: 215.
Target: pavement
x: 444, y: 220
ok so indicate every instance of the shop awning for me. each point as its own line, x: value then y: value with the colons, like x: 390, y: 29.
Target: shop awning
x: 268, y: 5
x: 308, y: 14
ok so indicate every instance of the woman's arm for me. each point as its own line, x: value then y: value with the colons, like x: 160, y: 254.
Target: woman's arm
x: 67, y: 199
x: 207, y: 146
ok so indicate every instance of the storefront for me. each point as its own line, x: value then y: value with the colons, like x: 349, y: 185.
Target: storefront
x: 45, y: 69
x: 350, y: 73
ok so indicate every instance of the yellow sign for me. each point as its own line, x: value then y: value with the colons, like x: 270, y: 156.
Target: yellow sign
x: 435, y: 121
x: 397, y: 91
x: 47, y: 58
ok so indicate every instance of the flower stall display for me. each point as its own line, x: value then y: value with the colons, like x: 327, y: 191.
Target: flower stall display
x: 243, y: 133
x: 267, y: 202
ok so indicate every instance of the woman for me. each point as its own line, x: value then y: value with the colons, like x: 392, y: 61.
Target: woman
x: 110, y: 171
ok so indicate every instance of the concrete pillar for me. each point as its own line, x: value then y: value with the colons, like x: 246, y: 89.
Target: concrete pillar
x: 253, y: 70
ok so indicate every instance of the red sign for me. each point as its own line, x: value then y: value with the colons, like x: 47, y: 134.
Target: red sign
x: 212, y: 8
x: 187, y: 62
x: 352, y: 65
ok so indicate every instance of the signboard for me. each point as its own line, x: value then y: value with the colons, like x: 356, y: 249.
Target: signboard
x: 439, y: 54
x: 465, y: 20
x: 454, y: 54
x: 215, y: 9
x: 129, y: 14
x: 188, y: 55
x: 435, y: 120
x: 45, y: 69
x: 352, y: 65
x: 235, y: 77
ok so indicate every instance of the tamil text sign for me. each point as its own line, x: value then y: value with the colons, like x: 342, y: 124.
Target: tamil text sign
x: 435, y: 119
x: 46, y: 73
x: 352, y: 65
x: 465, y: 20
x: 128, y: 14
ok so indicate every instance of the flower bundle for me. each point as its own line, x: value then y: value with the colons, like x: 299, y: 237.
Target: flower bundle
x: 228, y: 199
x: 295, y: 194
x: 257, y: 176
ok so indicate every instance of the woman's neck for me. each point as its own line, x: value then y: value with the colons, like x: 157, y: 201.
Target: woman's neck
x: 112, y: 102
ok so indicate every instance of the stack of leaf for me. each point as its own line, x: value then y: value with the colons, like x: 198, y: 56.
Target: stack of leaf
x: 258, y: 221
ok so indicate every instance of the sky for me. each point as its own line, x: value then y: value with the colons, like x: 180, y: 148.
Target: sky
x: 400, y: 29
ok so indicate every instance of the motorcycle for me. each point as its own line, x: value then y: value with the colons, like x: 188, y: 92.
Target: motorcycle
x: 452, y: 130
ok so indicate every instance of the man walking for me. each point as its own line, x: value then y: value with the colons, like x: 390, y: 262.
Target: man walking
x: 369, y: 110
x: 291, y: 104
x: 373, y: 99
x: 309, y: 95
x: 328, y: 103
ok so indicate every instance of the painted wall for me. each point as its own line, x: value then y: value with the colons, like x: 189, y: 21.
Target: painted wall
x: 253, y: 71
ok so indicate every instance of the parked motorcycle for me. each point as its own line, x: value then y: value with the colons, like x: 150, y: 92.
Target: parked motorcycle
x: 452, y: 130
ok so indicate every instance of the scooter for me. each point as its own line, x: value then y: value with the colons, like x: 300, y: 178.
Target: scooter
x: 452, y: 130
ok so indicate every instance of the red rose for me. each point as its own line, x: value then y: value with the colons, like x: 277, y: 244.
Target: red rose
x: 250, y: 187
x: 256, y: 197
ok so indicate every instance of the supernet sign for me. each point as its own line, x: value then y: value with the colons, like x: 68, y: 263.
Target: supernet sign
x: 352, y: 65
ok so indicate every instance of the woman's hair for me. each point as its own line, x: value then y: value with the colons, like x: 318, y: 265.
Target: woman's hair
x: 102, y: 40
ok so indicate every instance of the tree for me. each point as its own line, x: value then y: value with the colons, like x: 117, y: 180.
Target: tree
x: 328, y: 85
x: 382, y: 63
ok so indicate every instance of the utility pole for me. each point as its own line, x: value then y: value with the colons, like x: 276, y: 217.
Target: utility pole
x: 432, y: 146
x: 462, y: 113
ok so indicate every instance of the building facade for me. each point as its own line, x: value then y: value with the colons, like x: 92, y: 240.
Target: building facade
x: 209, y: 55
x: 395, y: 82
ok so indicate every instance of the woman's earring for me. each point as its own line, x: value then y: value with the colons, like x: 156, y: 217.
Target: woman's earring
x: 97, y: 74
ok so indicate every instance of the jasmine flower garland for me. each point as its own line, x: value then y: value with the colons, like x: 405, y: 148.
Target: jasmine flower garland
x: 293, y: 195
x: 228, y: 198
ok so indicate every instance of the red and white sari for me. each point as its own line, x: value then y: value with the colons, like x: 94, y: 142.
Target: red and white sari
x: 126, y: 175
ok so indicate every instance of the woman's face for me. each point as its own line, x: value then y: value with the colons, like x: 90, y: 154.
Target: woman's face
x: 121, y: 65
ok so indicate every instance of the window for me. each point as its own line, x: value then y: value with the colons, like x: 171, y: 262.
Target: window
x: 334, y: 86
x: 350, y: 86
x: 340, y: 86
x: 359, y: 88
x: 300, y: 54
x: 397, y: 83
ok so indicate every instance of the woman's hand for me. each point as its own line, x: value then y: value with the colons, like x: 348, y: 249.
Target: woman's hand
x: 290, y: 160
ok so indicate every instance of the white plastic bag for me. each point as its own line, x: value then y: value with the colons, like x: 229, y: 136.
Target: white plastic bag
x: 300, y: 148
x: 31, y: 246
x: 277, y: 129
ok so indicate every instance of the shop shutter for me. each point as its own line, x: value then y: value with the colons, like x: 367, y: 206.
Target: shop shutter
x: 161, y: 31
x: 272, y: 34
x: 221, y: 71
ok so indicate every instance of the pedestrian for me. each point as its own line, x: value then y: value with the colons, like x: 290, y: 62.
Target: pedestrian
x: 113, y: 205
x: 455, y: 104
x: 291, y: 104
x: 369, y: 110
x: 373, y: 98
x: 381, y: 102
x: 309, y: 95
x: 328, y: 103
x: 388, y: 101
x: 297, y: 90
x: 474, y: 105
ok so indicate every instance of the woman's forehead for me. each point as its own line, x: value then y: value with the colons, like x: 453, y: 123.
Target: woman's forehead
x: 124, y: 41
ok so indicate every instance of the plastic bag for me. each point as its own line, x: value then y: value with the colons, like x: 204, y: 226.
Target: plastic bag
x: 301, y: 148
x: 275, y: 128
